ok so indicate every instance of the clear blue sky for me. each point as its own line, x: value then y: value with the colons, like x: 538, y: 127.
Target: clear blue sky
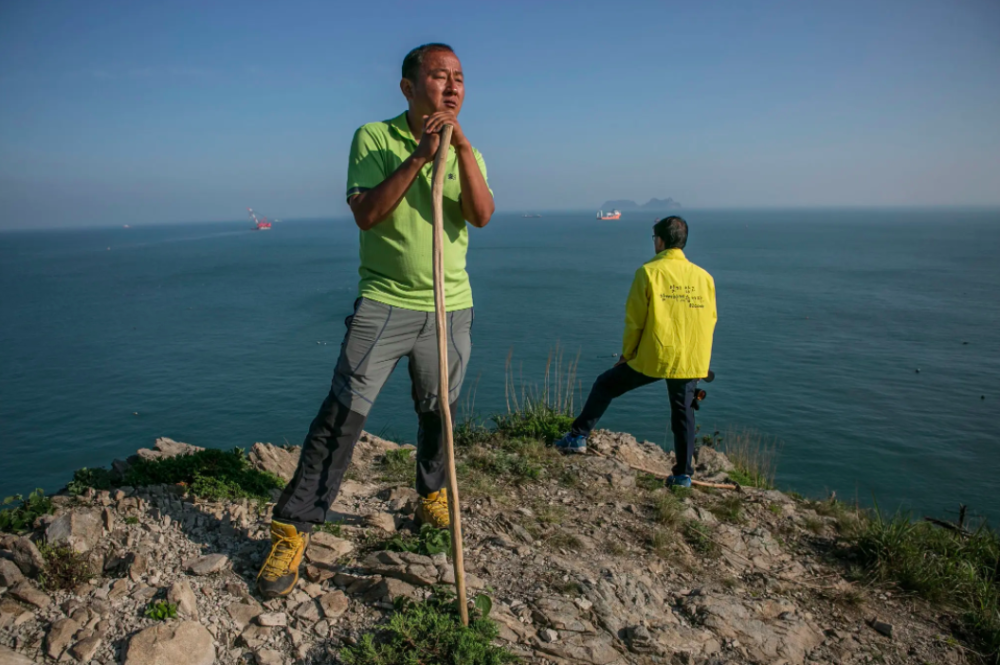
x: 138, y: 112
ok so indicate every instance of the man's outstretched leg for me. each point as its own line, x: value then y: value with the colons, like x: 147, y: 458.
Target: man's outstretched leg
x: 305, y: 500
x: 614, y: 383
x: 682, y: 425
x: 378, y: 335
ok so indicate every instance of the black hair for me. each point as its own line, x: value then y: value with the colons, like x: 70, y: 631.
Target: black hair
x: 673, y: 231
x: 415, y: 58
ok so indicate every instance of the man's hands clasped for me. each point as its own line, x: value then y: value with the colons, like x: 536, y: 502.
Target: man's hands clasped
x: 430, y: 140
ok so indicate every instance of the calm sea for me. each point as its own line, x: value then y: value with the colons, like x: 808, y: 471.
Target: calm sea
x: 220, y: 336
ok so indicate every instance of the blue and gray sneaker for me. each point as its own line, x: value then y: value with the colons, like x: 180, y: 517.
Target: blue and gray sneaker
x: 678, y: 481
x: 572, y: 444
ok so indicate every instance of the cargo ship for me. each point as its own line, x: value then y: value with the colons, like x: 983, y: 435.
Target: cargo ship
x: 614, y: 214
x: 260, y: 224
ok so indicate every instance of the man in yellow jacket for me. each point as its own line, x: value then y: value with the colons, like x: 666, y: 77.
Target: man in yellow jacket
x: 669, y: 321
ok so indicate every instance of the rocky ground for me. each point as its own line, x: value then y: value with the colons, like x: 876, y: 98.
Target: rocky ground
x: 589, y: 562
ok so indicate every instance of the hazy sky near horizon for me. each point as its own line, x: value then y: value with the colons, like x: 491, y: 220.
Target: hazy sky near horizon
x: 125, y: 112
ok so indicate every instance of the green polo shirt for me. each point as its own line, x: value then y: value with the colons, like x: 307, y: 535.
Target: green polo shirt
x: 397, y: 254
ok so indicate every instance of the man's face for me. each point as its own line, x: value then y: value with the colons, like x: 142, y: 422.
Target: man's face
x: 439, y: 86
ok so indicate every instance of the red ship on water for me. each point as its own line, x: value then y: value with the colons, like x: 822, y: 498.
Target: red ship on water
x: 614, y: 214
x: 260, y: 224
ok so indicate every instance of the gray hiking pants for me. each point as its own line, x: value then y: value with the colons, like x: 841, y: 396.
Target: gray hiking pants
x: 378, y: 337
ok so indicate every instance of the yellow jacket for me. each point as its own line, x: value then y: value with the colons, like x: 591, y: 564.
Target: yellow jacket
x: 669, y: 318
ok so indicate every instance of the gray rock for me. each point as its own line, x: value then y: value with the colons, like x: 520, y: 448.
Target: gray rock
x: 118, y: 589
x: 182, y: 594
x: 562, y: 614
x: 548, y: 635
x: 243, y: 613
x: 27, y: 557
x: 577, y: 648
x: 166, y: 447
x: 269, y: 657
x: 882, y: 628
x: 308, y: 611
x: 80, y: 530
x: 10, y: 574
x: 406, y: 566
x: 273, y: 619
x: 11, y: 657
x: 326, y: 549
x: 256, y: 636
x: 383, y: 521
x: 206, y: 565
x: 333, y: 604
x: 172, y: 643
x: 388, y: 589
x: 769, y: 631
x: 85, y: 649
x: 30, y: 595
x: 279, y: 461
x: 59, y: 637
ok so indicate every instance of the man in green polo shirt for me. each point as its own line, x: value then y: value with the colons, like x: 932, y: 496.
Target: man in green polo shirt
x: 389, y: 191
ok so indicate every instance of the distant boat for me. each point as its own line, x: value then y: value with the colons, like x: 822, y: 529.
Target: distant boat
x: 531, y: 215
x: 126, y: 226
x: 614, y: 214
x: 260, y: 224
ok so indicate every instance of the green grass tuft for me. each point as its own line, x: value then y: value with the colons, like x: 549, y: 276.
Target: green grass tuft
x: 755, y: 458
x: 667, y: 509
x: 429, y: 541
x: 942, y: 566
x: 19, y: 514
x: 430, y: 632
x: 397, y: 466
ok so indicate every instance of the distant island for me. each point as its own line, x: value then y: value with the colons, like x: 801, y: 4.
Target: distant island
x: 653, y: 204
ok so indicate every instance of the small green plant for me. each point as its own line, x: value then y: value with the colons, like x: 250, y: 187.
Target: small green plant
x: 755, y: 459
x: 161, y: 611
x: 98, y: 479
x: 431, y: 632
x: 729, y: 509
x: 18, y: 514
x: 429, y: 541
x: 396, y: 466
x: 775, y: 508
x: 131, y: 520
x: 332, y: 528
x: 700, y: 538
x: 65, y: 568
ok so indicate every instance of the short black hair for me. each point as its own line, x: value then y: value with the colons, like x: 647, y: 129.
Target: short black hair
x: 673, y: 231
x: 415, y: 58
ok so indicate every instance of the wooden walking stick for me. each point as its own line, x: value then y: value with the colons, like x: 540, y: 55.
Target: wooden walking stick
x: 444, y: 403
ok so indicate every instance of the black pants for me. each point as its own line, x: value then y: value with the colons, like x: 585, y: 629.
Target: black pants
x: 621, y: 379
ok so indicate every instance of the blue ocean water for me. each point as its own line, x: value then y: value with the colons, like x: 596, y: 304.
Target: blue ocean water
x: 220, y: 336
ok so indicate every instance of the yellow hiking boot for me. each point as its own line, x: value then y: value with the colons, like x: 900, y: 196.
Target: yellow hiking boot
x: 433, y: 510
x: 280, y: 571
